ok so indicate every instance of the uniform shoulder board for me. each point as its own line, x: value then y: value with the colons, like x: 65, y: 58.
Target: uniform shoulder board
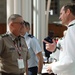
x: 4, y: 35
x: 31, y: 36
x: 71, y: 25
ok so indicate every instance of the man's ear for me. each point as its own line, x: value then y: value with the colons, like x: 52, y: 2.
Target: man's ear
x: 11, y: 23
x: 68, y: 11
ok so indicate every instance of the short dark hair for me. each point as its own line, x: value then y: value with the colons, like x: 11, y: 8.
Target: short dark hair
x: 13, y: 17
x: 27, y: 24
x: 71, y: 7
x: 51, y: 33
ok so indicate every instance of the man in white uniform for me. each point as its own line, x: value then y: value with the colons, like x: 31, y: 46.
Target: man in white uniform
x: 35, y: 63
x: 65, y: 65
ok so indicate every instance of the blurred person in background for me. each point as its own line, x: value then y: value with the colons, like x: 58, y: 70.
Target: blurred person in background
x: 49, y: 39
x: 35, y: 63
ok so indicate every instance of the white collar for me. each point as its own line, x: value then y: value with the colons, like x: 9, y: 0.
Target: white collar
x: 72, y: 22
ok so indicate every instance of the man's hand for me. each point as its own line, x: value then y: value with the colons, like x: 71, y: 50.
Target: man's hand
x: 50, y: 46
x: 49, y: 69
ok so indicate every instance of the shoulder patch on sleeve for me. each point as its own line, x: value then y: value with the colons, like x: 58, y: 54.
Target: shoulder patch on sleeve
x: 31, y: 36
x: 4, y: 35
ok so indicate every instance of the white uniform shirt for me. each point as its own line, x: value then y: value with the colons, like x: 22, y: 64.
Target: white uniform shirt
x: 58, y: 52
x: 34, y: 48
x: 60, y: 44
x: 66, y: 65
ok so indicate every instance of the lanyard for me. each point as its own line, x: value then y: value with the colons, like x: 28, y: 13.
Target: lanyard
x: 18, y: 47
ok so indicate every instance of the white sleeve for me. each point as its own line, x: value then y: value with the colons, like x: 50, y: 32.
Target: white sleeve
x: 61, y: 66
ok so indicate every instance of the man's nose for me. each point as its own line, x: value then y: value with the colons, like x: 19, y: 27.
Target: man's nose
x: 59, y: 17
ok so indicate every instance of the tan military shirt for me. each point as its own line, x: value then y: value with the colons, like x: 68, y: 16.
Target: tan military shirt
x: 9, y: 54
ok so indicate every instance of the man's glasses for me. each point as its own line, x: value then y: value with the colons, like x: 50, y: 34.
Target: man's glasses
x: 21, y: 23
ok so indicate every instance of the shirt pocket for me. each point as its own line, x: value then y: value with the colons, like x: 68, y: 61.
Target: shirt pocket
x: 13, y: 54
x: 9, y: 53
